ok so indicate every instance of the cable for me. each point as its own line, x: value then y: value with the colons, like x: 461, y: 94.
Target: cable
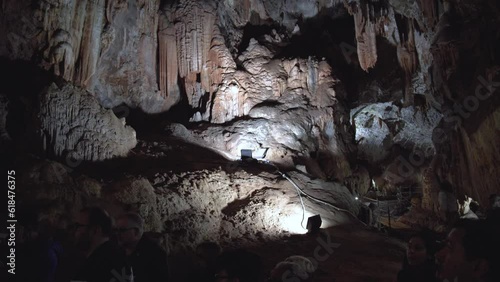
x: 321, y: 201
x: 300, y: 197
x: 314, y: 198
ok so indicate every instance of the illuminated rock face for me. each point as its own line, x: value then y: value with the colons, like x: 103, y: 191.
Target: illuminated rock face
x: 383, y: 125
x: 144, y: 55
x: 73, y: 124
x: 105, y: 47
x: 193, y: 207
x: 291, y: 109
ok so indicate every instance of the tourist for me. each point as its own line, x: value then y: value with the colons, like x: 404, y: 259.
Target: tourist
x: 147, y: 260
x: 104, y: 260
x: 418, y: 264
x: 470, y: 253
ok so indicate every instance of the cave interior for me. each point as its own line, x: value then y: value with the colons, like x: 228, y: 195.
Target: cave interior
x: 234, y: 121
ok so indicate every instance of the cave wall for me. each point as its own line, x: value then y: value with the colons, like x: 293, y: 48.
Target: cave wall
x: 465, y: 74
x: 106, y: 47
x: 474, y: 160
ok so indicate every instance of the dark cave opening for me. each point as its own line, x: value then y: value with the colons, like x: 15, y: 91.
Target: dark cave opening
x: 254, y: 31
x: 22, y: 82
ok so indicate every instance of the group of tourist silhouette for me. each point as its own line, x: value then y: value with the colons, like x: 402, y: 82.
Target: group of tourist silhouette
x: 98, y: 249
x: 103, y: 249
x: 469, y: 253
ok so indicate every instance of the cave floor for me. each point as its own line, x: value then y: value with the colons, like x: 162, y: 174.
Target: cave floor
x: 362, y: 255
x: 359, y: 254
x: 356, y: 254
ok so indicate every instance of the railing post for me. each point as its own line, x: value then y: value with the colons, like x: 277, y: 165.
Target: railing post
x: 389, y: 215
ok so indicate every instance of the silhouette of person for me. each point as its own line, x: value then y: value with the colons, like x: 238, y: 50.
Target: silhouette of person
x: 238, y: 266
x: 104, y: 259
x: 470, y: 253
x: 419, y: 261
x: 147, y: 260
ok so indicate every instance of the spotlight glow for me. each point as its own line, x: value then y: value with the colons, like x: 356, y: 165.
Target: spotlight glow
x: 292, y: 222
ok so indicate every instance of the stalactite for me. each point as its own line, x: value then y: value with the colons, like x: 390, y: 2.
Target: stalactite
x: 365, y: 38
x: 430, y: 186
x: 219, y: 64
x: 208, y: 34
x: 212, y: 73
x: 381, y: 24
x: 168, y: 65
x: 208, y: 23
x: 60, y: 54
x: 367, y: 20
x: 406, y: 52
x: 74, y: 31
x: 447, y: 37
x: 194, y: 32
x: 407, y: 58
x: 91, y: 40
x: 428, y: 8
x: 445, y: 49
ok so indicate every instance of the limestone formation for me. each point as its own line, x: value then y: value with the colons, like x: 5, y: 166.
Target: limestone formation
x: 293, y: 111
x: 127, y: 71
x: 359, y: 182
x: 73, y: 124
x: 475, y: 167
x: 293, y: 82
x: 168, y: 58
x: 369, y: 20
x: 74, y: 30
x: 380, y: 126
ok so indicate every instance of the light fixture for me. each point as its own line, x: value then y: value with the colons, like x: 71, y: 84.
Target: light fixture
x: 258, y: 154
x: 246, y: 154
x: 356, y: 198
x: 313, y: 224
